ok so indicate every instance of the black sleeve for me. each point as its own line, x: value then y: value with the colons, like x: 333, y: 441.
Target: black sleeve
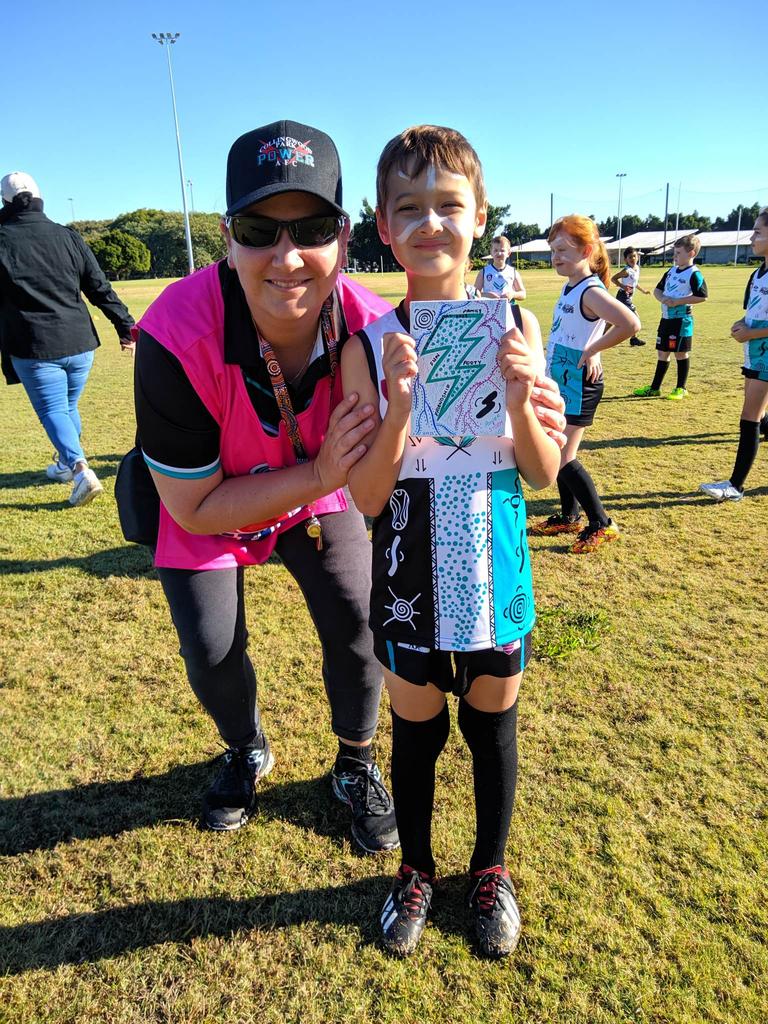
x: 174, y: 426
x: 662, y: 282
x: 699, y: 285
x: 749, y: 287
x: 99, y: 292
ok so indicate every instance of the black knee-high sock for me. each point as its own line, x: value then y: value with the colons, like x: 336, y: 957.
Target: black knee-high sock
x: 661, y: 372
x: 492, y: 738
x: 416, y: 747
x: 569, y: 504
x: 582, y: 486
x: 749, y: 442
x: 683, y: 366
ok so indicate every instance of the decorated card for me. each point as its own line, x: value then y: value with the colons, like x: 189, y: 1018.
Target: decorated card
x: 459, y: 390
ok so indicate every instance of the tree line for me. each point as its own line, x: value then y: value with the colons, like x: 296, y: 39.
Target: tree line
x: 152, y: 242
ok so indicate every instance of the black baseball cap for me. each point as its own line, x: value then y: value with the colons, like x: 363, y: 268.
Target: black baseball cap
x: 284, y: 156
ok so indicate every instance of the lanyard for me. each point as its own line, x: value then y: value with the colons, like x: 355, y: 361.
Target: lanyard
x: 284, y: 404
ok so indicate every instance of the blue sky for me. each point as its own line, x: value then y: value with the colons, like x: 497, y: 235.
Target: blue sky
x: 556, y: 98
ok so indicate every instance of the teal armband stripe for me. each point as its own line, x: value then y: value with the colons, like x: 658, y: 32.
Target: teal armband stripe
x: 183, y: 474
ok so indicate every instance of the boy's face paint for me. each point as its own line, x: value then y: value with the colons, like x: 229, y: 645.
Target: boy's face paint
x: 430, y: 220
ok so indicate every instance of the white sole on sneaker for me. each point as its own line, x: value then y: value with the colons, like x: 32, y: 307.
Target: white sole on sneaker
x: 85, y: 490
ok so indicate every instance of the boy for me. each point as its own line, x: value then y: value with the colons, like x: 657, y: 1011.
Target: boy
x: 451, y: 601
x: 680, y: 288
x: 628, y: 282
x: 498, y: 280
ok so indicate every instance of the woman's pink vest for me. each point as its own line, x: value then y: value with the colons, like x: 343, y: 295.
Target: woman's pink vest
x: 188, y: 320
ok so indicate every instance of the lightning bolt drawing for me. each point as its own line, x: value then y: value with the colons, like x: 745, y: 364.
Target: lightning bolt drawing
x: 451, y: 339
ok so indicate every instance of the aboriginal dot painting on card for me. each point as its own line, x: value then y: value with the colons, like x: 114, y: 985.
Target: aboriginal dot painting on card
x: 451, y: 567
x: 459, y: 389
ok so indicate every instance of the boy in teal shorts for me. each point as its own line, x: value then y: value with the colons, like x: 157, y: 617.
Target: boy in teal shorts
x: 681, y: 287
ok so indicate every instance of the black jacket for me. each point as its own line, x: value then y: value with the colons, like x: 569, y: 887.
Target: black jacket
x: 44, y: 267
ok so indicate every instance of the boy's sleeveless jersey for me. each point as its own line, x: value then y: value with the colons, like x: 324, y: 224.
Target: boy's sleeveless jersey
x: 496, y: 280
x: 631, y: 277
x: 451, y: 568
x: 572, y: 330
x: 677, y: 283
x: 756, y: 316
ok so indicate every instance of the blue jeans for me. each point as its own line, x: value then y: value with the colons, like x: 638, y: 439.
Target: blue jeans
x: 54, y: 387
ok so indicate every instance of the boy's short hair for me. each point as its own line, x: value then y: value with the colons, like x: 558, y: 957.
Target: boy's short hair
x: 429, y: 145
x: 500, y: 239
x: 630, y: 251
x: 688, y: 242
x: 762, y: 215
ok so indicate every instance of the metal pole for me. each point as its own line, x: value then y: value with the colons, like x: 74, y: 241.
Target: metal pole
x: 165, y: 38
x: 738, y: 230
x: 677, y: 215
x: 621, y: 176
x: 191, y: 196
x: 666, y: 213
x: 72, y: 204
x: 382, y: 263
x: 551, y: 218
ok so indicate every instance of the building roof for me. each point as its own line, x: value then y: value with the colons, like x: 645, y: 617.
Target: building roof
x: 725, y: 237
x: 649, y: 239
x: 541, y: 245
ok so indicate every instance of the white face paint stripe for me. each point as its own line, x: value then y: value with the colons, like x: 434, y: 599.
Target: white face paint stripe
x: 431, y: 176
x: 402, y: 174
x: 443, y: 222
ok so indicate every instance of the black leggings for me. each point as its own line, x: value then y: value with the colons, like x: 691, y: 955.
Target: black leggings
x: 208, y: 611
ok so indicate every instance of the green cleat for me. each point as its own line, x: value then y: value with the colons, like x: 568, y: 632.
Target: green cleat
x: 677, y: 394
x: 647, y: 392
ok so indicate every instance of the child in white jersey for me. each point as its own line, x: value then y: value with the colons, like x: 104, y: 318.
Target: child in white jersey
x: 752, y: 332
x: 627, y: 282
x: 451, y: 602
x: 498, y: 280
x: 680, y: 288
x: 586, y: 321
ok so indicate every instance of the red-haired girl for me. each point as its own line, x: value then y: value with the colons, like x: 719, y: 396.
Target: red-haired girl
x: 586, y: 321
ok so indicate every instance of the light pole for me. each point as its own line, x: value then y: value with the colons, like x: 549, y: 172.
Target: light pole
x: 71, y: 202
x: 621, y: 176
x: 191, y: 196
x: 167, y: 39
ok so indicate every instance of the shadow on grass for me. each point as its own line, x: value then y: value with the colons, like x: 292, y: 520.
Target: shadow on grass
x: 103, y: 465
x: 657, y: 442
x: 40, y: 821
x: 131, y: 560
x: 94, y: 936
x: 640, y: 500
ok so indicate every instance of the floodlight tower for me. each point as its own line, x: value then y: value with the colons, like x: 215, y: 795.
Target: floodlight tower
x: 167, y: 39
x: 621, y: 176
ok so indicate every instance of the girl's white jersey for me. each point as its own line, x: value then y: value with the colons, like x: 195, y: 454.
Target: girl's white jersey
x: 756, y: 317
x: 572, y: 328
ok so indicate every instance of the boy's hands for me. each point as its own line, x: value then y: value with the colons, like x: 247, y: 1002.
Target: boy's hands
x: 740, y: 331
x: 518, y: 366
x: 400, y: 368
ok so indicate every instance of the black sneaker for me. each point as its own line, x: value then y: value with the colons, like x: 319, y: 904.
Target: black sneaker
x: 635, y: 342
x: 230, y: 801
x: 358, y: 784
x: 495, y: 915
x: 404, y: 914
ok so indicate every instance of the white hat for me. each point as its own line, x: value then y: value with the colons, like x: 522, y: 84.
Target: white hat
x: 17, y: 181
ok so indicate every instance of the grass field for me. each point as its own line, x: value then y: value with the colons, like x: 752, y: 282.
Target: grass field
x: 639, y: 846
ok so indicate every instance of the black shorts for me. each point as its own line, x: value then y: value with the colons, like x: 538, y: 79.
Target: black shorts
x: 675, y: 335
x: 590, y: 399
x: 626, y: 299
x: 450, y: 671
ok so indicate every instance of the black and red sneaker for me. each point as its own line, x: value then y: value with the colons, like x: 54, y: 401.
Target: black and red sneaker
x: 495, y: 914
x: 404, y: 913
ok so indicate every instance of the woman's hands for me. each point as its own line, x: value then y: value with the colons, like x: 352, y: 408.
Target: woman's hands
x: 343, y: 445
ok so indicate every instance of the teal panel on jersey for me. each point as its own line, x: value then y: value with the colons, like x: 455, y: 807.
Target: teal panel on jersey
x: 564, y: 369
x: 758, y: 351
x: 510, y: 562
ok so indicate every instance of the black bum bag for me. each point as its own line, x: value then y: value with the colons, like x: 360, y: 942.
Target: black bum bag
x: 138, y: 503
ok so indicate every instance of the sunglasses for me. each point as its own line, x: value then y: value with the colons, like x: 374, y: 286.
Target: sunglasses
x: 305, y: 233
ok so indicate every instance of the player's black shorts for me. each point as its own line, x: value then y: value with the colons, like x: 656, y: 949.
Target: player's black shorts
x: 590, y: 399
x: 675, y: 335
x: 450, y: 671
x: 751, y: 374
x: 624, y: 297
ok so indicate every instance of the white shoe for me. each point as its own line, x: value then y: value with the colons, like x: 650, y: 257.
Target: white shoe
x: 59, y: 472
x: 722, y: 490
x: 85, y: 488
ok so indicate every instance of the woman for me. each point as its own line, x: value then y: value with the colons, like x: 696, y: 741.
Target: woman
x: 46, y: 331
x: 244, y: 428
